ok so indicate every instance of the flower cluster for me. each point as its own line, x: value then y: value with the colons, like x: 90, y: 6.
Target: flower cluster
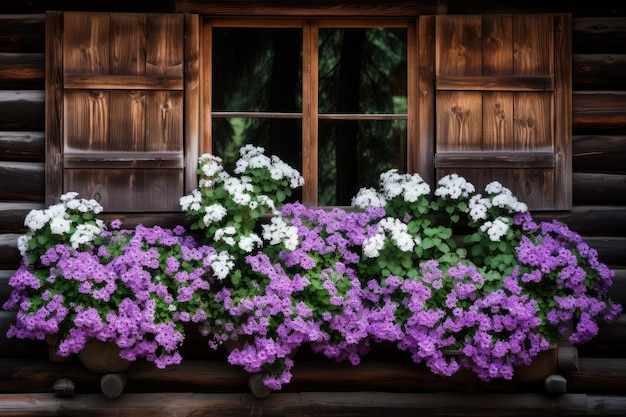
x: 431, y: 272
x: 72, y: 221
x: 137, y: 290
x: 229, y: 207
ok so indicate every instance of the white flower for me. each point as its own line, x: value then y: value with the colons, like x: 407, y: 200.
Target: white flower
x: 36, y: 219
x: 22, y: 243
x: 279, y: 231
x: 373, y: 245
x: 60, y: 226
x: 214, y: 213
x: 225, y: 234
x: 250, y: 242
x: 496, y: 229
x: 478, y: 207
x: 69, y: 196
x: 410, y: 186
x: 210, y: 165
x: 454, y: 186
x: 191, y: 201
x: 368, y: 197
x: 222, y: 263
x: 85, y: 233
x: 399, y: 233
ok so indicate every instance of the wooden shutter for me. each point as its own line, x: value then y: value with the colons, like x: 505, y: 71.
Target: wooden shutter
x: 503, y: 104
x: 122, y: 108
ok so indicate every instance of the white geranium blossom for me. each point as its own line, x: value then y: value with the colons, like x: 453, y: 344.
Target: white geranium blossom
x: 36, y: 219
x: 373, y: 245
x: 397, y: 231
x: 279, y: 231
x: 496, y: 229
x: 22, y: 243
x: 60, y: 226
x: 211, y: 165
x: 222, y: 263
x: 225, y: 234
x: 85, y: 233
x: 409, y: 186
x: 478, y: 207
x: 454, y: 187
x: 191, y: 202
x: 250, y: 242
x: 214, y: 213
x: 368, y: 197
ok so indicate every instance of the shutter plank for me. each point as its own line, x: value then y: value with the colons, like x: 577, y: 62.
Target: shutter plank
x: 164, y: 121
x: 534, y: 45
x: 86, y: 120
x: 530, y: 186
x: 128, y: 190
x: 497, y: 121
x: 128, y: 44
x: 164, y: 48
x: 459, y: 121
x: 128, y: 121
x: 498, y: 46
x: 459, y: 45
x: 86, y: 43
x: 532, y: 119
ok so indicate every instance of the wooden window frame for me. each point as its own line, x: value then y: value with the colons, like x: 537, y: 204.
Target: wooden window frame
x: 309, y: 114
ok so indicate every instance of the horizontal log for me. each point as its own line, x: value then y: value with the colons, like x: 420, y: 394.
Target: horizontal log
x: 21, y: 71
x: 590, y: 220
x: 610, y: 341
x: 22, y: 110
x: 611, y: 250
x: 599, y: 153
x: 319, y: 404
x: 582, y: 9
x: 598, y: 71
x: 40, y: 6
x: 12, y: 215
x: 21, y: 32
x: 603, y: 34
x: 9, y: 255
x: 22, y: 181
x: 599, y: 189
x: 595, y: 375
x: 599, y: 113
x: 22, y: 146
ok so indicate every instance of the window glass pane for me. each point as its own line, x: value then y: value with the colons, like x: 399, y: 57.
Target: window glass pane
x: 362, y: 70
x: 281, y: 137
x: 257, y: 69
x: 353, y: 154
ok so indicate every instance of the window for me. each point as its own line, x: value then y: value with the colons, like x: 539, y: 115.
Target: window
x: 132, y: 99
x: 329, y: 97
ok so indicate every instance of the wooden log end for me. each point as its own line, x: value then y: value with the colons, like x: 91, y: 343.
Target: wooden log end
x: 257, y: 387
x: 567, y: 358
x: 64, y: 388
x: 555, y: 384
x: 112, y: 385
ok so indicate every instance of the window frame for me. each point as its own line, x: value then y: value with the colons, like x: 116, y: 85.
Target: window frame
x: 309, y: 114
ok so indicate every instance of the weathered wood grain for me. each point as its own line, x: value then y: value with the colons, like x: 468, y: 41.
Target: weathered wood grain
x: 599, y: 71
x: 21, y: 71
x: 22, y: 181
x: 22, y: 110
x: 22, y: 146
x: 599, y: 113
x: 599, y: 188
x: 601, y: 34
x: 21, y: 33
x: 593, y: 153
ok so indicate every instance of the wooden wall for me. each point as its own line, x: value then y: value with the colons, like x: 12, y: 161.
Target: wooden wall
x: 598, y: 387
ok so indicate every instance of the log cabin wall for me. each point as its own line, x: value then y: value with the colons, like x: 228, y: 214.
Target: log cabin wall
x: 598, y: 387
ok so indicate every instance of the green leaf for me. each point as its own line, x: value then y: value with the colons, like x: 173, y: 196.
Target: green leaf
x: 427, y: 243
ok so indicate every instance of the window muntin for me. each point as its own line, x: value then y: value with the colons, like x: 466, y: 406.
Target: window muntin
x: 356, y: 72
